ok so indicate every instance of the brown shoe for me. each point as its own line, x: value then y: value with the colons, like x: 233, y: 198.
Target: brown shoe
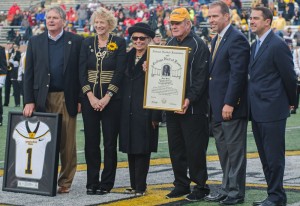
x: 63, y: 190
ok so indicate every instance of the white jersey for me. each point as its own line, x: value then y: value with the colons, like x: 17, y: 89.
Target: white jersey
x: 31, y: 141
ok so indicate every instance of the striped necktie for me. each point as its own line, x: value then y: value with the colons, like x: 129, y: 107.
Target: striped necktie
x: 216, y: 46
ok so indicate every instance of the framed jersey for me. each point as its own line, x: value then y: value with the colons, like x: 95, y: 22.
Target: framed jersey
x: 31, y: 157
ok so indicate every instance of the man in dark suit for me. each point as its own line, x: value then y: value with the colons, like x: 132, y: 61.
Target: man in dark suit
x: 3, y: 70
x: 228, y: 98
x: 272, y: 90
x: 51, y: 84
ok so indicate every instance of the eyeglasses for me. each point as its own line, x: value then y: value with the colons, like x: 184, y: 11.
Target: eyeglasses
x: 142, y: 38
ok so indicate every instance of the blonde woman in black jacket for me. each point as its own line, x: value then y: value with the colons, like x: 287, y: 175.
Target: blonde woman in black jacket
x: 102, y: 64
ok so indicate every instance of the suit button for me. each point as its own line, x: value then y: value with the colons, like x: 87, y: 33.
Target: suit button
x: 129, y: 97
x: 49, y: 74
x: 210, y: 78
x: 47, y: 85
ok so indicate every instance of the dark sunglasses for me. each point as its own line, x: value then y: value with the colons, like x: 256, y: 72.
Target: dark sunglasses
x: 142, y: 38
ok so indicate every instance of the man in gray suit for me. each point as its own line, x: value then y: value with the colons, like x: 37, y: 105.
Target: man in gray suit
x: 228, y: 98
x: 51, y: 84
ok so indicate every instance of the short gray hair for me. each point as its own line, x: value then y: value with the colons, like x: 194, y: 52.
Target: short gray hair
x: 105, y: 15
x: 58, y: 10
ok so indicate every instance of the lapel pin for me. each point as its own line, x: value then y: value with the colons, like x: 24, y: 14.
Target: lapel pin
x: 69, y: 42
x: 92, y: 50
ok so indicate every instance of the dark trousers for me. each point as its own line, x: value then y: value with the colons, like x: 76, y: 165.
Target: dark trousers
x: 188, y: 140
x: 138, y: 170
x: 270, y: 141
x: 16, y: 87
x: 110, y: 122
x: 297, y: 99
x: 231, y: 145
x: 1, y: 106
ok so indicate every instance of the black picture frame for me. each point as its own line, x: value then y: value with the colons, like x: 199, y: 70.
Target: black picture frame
x: 35, y: 141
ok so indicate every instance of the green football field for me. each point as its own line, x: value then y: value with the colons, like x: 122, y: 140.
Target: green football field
x: 292, y: 139
x: 252, y: 192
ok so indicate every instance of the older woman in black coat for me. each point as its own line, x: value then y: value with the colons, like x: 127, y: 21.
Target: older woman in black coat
x: 139, y: 127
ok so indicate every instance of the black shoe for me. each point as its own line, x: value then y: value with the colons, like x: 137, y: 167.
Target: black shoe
x: 0, y: 124
x: 215, y: 197
x: 269, y: 203
x: 129, y: 191
x: 196, y: 195
x: 293, y: 111
x: 178, y: 193
x: 257, y: 203
x: 91, y: 190
x: 17, y: 105
x: 5, y: 105
x: 139, y: 193
x: 232, y: 201
x: 102, y: 191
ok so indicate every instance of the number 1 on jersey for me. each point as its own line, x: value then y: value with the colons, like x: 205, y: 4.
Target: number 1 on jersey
x: 29, y: 155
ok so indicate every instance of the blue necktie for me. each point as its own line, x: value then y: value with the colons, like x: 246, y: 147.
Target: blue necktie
x: 257, y: 47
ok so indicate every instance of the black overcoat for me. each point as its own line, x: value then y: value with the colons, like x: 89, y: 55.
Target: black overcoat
x: 137, y: 135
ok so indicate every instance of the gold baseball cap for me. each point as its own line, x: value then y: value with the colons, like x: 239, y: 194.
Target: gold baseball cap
x: 179, y: 15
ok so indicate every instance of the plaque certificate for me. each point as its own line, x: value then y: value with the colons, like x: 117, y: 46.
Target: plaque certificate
x: 165, y: 77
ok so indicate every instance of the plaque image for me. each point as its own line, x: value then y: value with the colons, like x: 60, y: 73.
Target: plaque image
x: 165, y: 77
x: 31, y: 158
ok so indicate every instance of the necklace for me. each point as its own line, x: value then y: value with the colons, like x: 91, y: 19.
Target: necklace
x: 102, y: 51
x: 137, y: 59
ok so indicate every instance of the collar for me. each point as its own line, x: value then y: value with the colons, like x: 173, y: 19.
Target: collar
x: 57, y: 37
x: 224, y: 31
x: 264, y: 36
x: 190, y: 34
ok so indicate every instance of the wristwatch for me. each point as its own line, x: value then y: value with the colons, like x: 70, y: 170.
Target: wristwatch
x: 110, y: 94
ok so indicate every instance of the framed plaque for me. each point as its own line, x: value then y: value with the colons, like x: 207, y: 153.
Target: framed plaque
x: 31, y: 157
x: 165, y: 77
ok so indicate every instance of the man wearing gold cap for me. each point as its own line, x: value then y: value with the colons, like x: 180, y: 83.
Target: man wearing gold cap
x: 188, y: 130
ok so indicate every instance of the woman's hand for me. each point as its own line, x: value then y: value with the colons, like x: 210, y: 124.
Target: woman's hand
x: 104, y: 101
x: 94, y: 101
x: 145, y: 68
x: 154, y: 124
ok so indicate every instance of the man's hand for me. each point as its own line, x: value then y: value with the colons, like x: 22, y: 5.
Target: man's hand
x: 227, y: 112
x: 28, y: 109
x: 184, y: 107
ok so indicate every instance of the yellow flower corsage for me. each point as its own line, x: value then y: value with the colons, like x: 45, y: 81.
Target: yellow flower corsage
x: 112, y: 46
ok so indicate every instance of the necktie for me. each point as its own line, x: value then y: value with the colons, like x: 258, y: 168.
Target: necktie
x: 257, y: 47
x: 216, y: 46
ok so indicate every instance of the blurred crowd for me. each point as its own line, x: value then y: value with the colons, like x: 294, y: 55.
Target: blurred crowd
x: 32, y: 21
x: 156, y: 14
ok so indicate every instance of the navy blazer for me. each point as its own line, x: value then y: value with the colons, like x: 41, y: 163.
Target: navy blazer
x: 37, y: 75
x: 228, y: 75
x: 272, y: 80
